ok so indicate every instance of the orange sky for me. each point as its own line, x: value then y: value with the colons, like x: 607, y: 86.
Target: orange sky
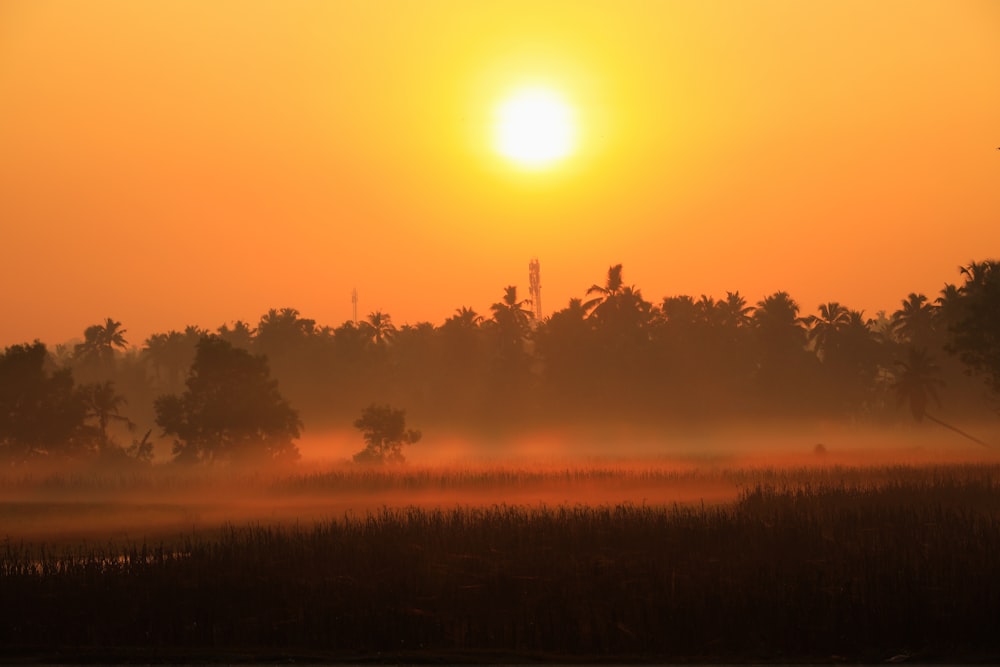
x: 173, y: 162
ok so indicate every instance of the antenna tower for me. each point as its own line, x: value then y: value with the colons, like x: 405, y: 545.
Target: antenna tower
x: 535, y: 287
x: 354, y: 303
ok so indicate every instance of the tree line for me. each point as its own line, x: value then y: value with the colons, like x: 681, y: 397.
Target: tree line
x: 607, y: 357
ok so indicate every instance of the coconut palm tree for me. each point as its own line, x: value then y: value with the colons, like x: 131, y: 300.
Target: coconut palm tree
x: 977, y: 274
x: 512, y: 317
x: 914, y: 322
x: 734, y: 313
x: 776, y: 319
x: 99, y: 343
x: 379, y: 327
x: 465, y: 318
x: 281, y: 331
x: 104, y: 405
x: 240, y: 335
x: 612, y: 287
x: 510, y: 325
x: 170, y: 354
x: 824, y: 330
x: 974, y: 333
x: 917, y: 383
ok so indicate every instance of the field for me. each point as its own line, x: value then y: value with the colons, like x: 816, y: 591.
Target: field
x: 819, y: 559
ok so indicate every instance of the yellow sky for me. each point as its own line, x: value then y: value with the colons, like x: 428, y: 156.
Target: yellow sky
x: 170, y: 162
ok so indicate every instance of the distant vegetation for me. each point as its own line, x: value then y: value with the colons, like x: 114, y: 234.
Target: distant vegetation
x: 611, y: 357
x: 822, y: 565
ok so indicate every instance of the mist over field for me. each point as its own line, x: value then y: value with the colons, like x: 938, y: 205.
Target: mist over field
x: 63, y: 504
x: 440, y: 332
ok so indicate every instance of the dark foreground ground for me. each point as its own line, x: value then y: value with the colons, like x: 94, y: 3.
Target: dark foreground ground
x: 903, y: 565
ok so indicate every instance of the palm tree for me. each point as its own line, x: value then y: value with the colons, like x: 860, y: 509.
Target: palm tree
x: 171, y: 353
x: 708, y: 313
x: 460, y: 334
x: 510, y: 312
x: 914, y: 322
x: 612, y: 287
x: 825, y: 329
x: 280, y: 331
x: 976, y: 274
x: 380, y: 328
x: 917, y: 382
x: 948, y: 307
x: 513, y: 321
x: 734, y: 313
x: 776, y: 318
x: 974, y: 336
x: 240, y: 335
x: 100, y: 341
x: 465, y: 318
x: 104, y: 404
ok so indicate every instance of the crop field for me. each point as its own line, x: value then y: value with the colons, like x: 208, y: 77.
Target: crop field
x: 628, y: 560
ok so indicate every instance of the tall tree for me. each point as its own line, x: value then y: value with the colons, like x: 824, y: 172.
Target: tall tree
x: 99, y: 343
x: 231, y: 410
x: 41, y: 412
x: 240, y: 334
x: 280, y: 332
x: 776, y: 319
x: 913, y: 323
x: 104, y: 405
x: 975, y: 336
x: 512, y: 319
x: 786, y: 372
x: 734, y: 313
x: 917, y: 383
x: 601, y: 293
x: 170, y: 354
x: 379, y: 327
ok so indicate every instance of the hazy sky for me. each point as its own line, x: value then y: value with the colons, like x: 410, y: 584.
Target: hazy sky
x: 170, y: 162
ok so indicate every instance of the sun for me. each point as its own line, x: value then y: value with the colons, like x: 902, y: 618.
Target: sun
x: 535, y: 128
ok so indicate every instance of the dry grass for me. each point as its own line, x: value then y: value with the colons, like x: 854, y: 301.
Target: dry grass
x: 801, y: 563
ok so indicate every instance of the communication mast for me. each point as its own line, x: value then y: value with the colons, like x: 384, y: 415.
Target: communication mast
x: 354, y: 303
x: 535, y: 288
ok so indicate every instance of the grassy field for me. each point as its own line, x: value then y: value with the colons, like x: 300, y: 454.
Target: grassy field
x: 643, y: 561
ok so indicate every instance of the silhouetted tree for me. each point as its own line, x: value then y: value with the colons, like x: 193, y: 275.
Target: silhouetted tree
x: 824, y: 330
x: 777, y: 321
x: 170, y: 355
x: 280, y: 332
x: 384, y: 431
x: 913, y: 323
x: 104, y: 404
x: 41, y: 413
x: 565, y: 342
x: 231, y: 411
x: 734, y: 313
x: 948, y: 307
x: 975, y: 336
x: 97, y: 351
x: 379, y: 327
x: 512, y: 321
x: 786, y: 371
x: 917, y: 381
x: 239, y: 335
x: 612, y: 286
x: 465, y: 319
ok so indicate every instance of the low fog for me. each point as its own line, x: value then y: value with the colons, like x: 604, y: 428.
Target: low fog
x: 571, y: 467
x: 612, y: 399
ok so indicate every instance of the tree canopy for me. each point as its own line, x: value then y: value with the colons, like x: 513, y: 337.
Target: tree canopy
x: 231, y: 410
x: 384, y: 430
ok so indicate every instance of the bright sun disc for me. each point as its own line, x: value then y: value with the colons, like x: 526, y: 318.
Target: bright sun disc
x: 534, y: 128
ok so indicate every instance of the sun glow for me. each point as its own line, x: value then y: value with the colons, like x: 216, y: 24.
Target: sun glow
x: 535, y: 128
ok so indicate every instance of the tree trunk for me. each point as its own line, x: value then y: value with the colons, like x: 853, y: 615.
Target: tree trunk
x: 956, y: 430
